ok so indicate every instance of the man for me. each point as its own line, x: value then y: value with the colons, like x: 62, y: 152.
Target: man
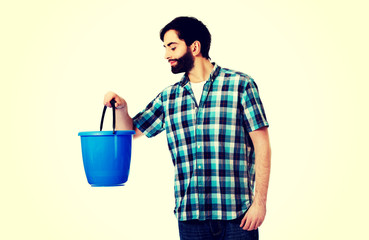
x: 217, y: 135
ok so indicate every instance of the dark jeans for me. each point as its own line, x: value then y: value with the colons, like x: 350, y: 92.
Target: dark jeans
x: 215, y: 230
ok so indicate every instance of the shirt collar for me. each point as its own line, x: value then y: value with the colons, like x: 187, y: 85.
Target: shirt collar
x: 214, y: 73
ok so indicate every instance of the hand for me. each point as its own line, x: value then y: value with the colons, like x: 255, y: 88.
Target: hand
x: 119, y: 102
x: 254, y: 217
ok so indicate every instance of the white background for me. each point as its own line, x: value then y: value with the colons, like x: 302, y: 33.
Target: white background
x: 59, y: 58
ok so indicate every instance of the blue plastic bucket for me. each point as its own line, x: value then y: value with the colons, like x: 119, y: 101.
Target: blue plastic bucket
x: 106, y: 155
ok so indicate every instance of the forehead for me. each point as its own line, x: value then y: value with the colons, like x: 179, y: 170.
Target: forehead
x: 171, y: 37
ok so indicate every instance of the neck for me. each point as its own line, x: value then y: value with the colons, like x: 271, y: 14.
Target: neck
x: 201, y: 70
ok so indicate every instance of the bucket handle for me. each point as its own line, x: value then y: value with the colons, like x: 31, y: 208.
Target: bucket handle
x: 112, y: 102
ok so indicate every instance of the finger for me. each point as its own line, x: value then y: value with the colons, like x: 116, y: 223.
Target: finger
x: 105, y: 100
x: 247, y: 224
x: 260, y: 223
x: 118, y: 102
x: 253, y: 225
x: 243, y: 222
x: 118, y: 105
x: 107, y: 103
x: 108, y: 97
x: 244, y: 219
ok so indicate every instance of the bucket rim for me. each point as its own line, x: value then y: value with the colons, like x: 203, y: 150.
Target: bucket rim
x: 106, y: 133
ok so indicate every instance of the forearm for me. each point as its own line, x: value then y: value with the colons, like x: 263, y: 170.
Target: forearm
x: 123, y: 120
x: 255, y: 215
x: 260, y: 139
x: 262, y: 174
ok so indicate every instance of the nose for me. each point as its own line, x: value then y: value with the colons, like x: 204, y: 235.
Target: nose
x: 167, y: 54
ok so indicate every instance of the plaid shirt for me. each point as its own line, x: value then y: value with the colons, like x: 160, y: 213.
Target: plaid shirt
x: 209, y: 142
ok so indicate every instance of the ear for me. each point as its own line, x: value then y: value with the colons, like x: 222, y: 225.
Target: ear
x: 196, y: 48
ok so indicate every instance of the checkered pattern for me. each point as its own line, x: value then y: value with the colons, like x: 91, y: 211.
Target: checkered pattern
x: 209, y: 142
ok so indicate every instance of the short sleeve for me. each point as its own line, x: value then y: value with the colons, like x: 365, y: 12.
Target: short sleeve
x: 253, y: 110
x: 150, y: 121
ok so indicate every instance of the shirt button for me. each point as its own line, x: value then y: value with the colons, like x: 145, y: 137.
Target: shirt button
x: 199, y: 166
x: 198, y: 146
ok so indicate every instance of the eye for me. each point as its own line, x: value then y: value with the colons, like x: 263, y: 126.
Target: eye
x: 173, y: 49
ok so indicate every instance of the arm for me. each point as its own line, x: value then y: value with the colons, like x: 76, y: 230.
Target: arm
x: 123, y: 120
x: 255, y: 215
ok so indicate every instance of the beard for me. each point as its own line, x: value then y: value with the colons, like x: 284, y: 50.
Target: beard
x: 184, y: 63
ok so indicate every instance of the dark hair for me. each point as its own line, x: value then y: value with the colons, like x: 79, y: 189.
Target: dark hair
x: 190, y: 30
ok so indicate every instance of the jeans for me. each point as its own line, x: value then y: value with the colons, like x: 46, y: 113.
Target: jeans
x: 215, y: 230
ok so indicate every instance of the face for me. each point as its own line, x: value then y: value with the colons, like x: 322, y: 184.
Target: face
x: 177, y: 53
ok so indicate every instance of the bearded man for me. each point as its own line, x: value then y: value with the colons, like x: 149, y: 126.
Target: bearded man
x: 217, y: 134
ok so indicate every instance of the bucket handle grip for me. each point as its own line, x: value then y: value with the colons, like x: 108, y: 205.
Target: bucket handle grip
x: 112, y: 102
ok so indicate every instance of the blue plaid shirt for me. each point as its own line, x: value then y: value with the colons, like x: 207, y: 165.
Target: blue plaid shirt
x: 209, y: 142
